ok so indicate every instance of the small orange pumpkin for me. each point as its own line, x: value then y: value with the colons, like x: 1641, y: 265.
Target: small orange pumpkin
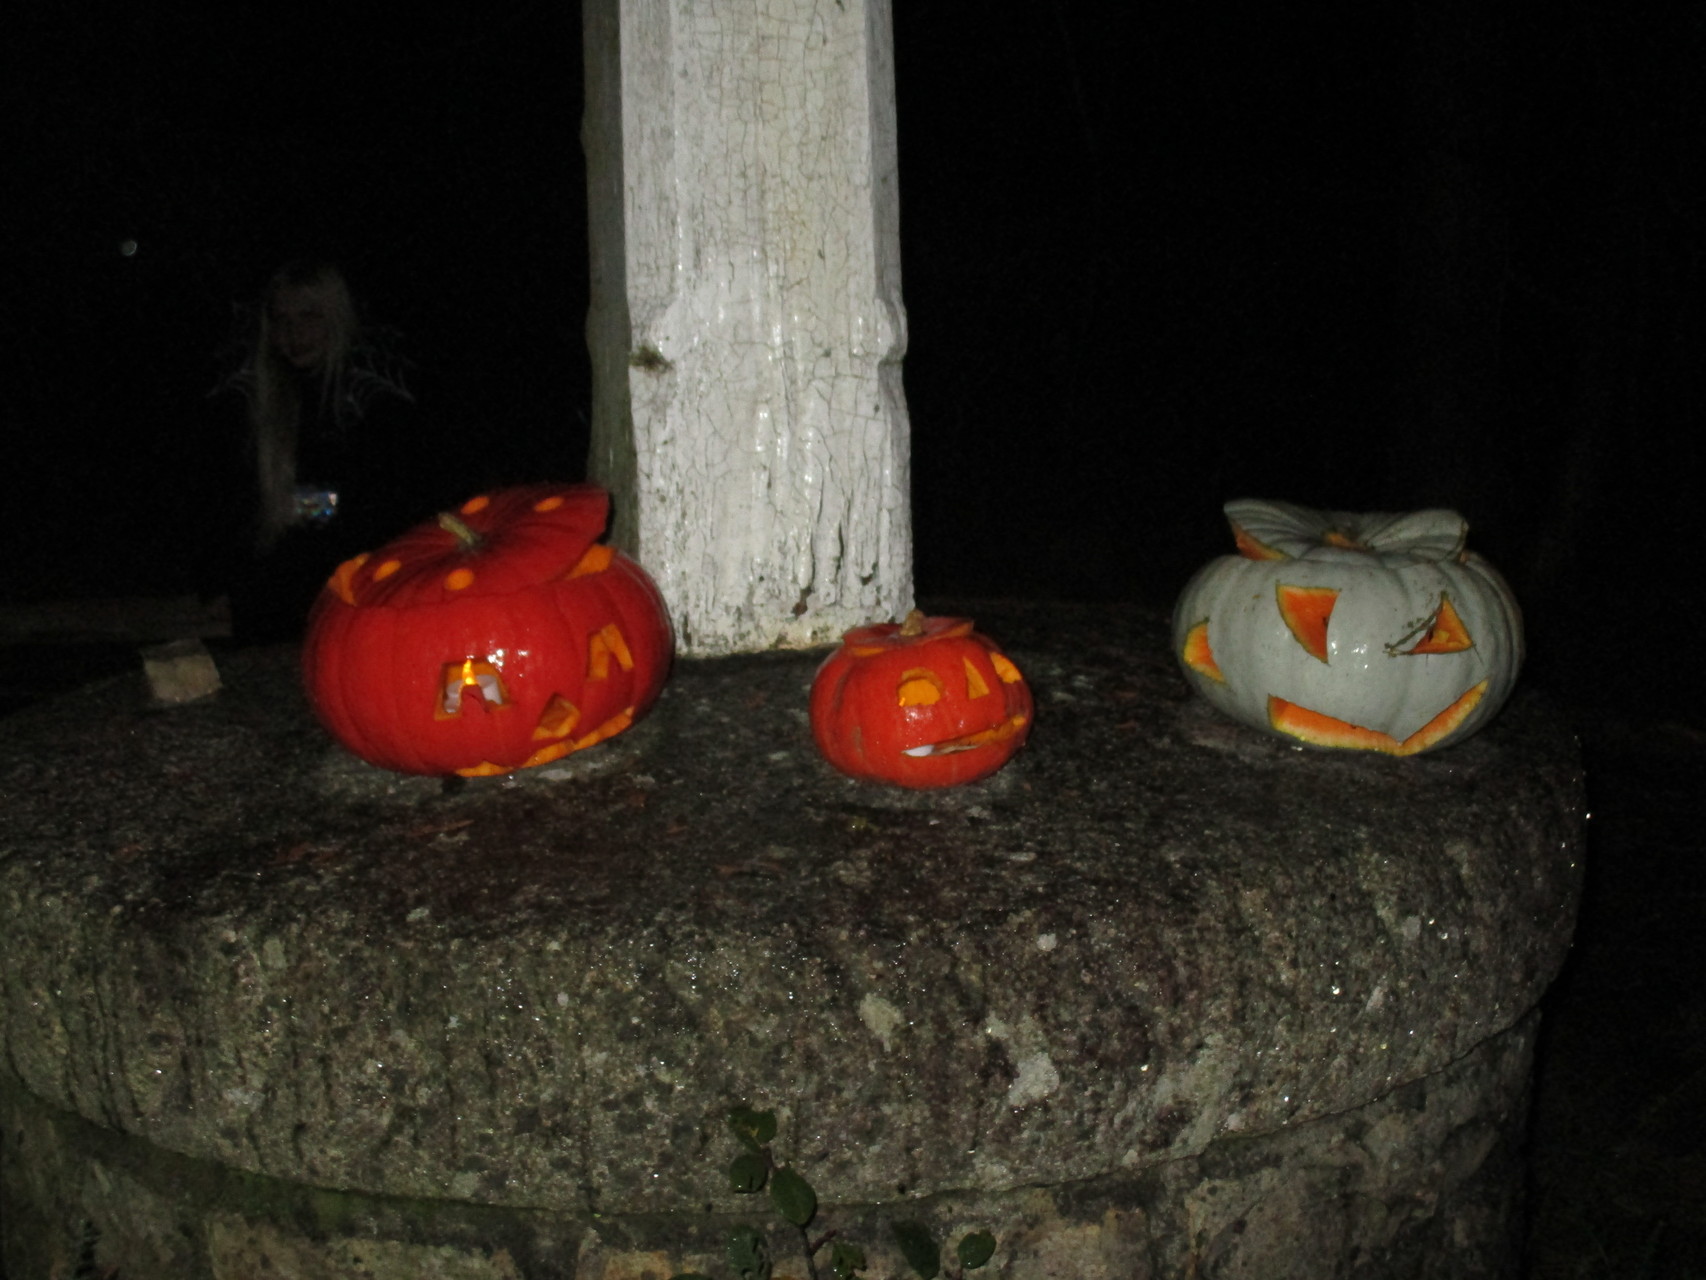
x: 925, y: 703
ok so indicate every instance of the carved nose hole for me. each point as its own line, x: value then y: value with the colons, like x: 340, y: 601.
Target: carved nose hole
x: 473, y: 678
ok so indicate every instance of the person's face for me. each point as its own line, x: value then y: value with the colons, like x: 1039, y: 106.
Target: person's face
x: 299, y: 329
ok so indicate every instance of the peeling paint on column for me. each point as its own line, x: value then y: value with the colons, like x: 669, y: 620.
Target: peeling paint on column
x: 747, y: 325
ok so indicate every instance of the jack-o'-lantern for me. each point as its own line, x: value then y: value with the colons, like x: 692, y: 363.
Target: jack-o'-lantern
x: 499, y: 637
x: 925, y: 703
x: 1369, y: 632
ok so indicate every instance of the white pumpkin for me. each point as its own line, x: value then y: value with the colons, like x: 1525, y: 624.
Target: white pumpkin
x: 1370, y: 632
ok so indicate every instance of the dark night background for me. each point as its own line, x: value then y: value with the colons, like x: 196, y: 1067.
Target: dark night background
x: 1357, y: 256
x: 1360, y: 256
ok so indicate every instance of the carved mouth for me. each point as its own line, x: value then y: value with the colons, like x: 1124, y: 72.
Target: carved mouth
x: 1328, y: 731
x: 555, y: 727
x: 971, y: 741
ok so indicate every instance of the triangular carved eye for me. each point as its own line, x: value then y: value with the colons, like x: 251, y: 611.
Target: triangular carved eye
x: 1305, y: 611
x: 1444, y: 632
x: 976, y: 685
x: 607, y: 643
x: 1197, y: 654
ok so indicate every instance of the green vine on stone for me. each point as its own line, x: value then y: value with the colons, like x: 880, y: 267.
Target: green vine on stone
x: 755, y: 1169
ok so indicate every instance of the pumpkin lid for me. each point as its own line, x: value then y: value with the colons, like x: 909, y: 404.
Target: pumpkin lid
x: 494, y: 543
x: 916, y: 629
x: 1269, y: 530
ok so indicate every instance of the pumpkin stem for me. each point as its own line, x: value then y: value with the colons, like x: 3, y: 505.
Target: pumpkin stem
x: 454, y: 524
x: 914, y: 624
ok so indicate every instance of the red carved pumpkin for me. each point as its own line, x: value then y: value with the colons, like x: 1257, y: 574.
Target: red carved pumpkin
x: 501, y: 637
x: 927, y: 703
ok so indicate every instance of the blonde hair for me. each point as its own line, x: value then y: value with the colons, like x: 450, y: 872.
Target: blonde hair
x: 275, y: 389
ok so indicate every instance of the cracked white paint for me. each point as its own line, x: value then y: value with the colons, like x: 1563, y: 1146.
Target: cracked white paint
x: 747, y: 326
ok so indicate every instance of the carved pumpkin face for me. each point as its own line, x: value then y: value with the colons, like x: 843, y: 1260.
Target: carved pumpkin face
x: 1368, y: 632
x: 927, y: 703
x: 498, y: 638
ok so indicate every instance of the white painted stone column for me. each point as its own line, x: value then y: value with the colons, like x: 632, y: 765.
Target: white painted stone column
x: 746, y: 324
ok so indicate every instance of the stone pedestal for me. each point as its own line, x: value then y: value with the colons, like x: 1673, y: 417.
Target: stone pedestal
x: 1162, y: 998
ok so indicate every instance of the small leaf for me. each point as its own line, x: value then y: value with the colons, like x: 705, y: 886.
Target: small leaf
x: 846, y: 1259
x: 753, y: 1128
x: 748, y: 1172
x: 976, y: 1249
x: 793, y: 1196
x: 919, y: 1248
x: 748, y: 1254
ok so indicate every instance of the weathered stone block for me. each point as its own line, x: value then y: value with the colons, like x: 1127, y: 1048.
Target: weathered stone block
x: 180, y: 671
x: 1161, y: 993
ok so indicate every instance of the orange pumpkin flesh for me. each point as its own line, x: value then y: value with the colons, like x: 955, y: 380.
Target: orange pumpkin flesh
x: 1326, y: 731
x: 1445, y: 632
x: 1253, y: 548
x: 1198, y: 656
x: 557, y: 722
x: 1305, y: 611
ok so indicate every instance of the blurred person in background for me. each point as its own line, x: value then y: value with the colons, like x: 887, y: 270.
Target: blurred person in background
x: 331, y: 453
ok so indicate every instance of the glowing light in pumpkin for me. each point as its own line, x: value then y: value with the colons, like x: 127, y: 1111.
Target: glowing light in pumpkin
x: 470, y: 676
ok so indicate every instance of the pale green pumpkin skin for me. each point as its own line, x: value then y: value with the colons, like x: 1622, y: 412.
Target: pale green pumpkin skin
x: 1390, y: 573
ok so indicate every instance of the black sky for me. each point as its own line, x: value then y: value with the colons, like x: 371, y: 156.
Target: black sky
x: 1361, y: 256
